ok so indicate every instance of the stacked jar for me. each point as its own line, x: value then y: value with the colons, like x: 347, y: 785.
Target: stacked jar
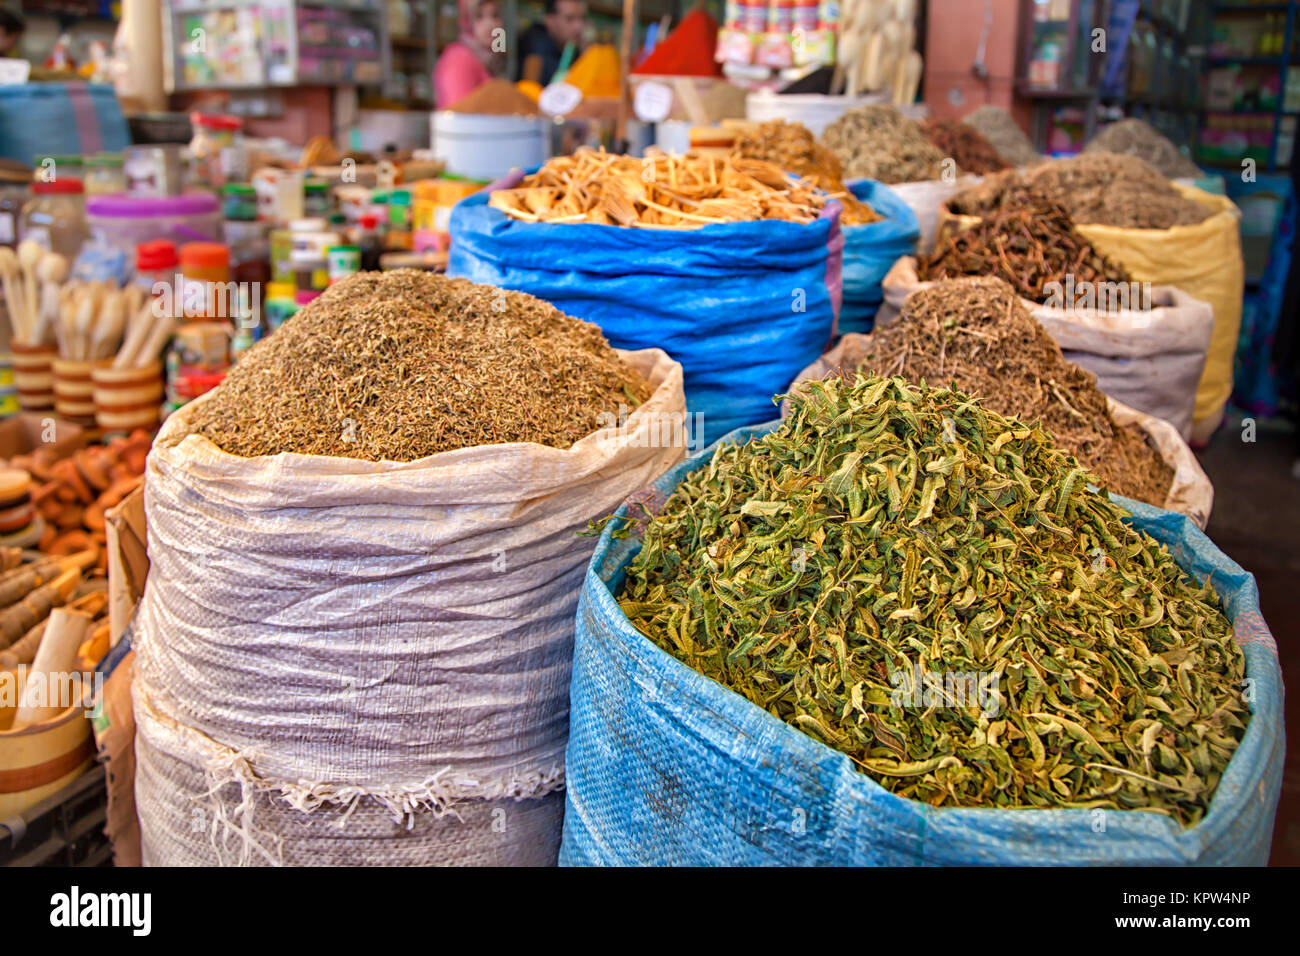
x: 200, y: 353
x: 55, y: 217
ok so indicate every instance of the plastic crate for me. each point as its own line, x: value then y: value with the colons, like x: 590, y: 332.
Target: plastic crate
x: 65, y: 829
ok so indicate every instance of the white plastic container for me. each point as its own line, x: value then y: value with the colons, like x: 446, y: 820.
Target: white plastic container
x: 814, y: 110
x: 487, y: 147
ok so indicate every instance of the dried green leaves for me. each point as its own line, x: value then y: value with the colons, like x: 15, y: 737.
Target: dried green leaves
x: 933, y: 590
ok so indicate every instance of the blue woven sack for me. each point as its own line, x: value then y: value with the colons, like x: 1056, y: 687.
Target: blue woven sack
x: 870, y: 251
x: 744, y: 307
x: 668, y: 767
x: 60, y: 118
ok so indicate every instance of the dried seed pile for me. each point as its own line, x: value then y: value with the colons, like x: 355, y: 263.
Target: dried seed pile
x: 967, y: 146
x: 1028, y: 246
x: 932, y: 589
x: 976, y: 335
x: 1005, y: 134
x: 791, y: 147
x: 1137, y: 137
x: 496, y: 98
x: 878, y: 142
x: 1095, y: 188
x: 396, y: 366
x: 659, y: 191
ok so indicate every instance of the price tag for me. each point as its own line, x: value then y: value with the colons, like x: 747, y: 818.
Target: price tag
x: 653, y: 102
x: 559, y: 99
x: 14, y: 71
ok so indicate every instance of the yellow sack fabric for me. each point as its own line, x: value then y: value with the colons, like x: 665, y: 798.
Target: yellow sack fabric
x: 1204, y: 261
x: 596, y: 71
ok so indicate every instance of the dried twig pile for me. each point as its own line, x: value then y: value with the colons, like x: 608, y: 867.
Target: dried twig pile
x: 659, y: 191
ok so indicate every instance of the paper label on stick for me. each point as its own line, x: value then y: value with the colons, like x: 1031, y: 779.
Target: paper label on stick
x: 559, y: 99
x: 653, y: 102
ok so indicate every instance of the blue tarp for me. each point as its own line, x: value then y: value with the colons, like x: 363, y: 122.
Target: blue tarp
x: 870, y: 251
x: 667, y: 767
x: 744, y: 307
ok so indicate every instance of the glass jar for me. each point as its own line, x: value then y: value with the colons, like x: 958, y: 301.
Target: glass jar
x: 214, y: 138
x: 15, y: 183
x: 55, y: 217
x: 316, y: 198
x: 104, y: 175
x: 51, y: 166
x: 239, y: 202
x: 250, y: 252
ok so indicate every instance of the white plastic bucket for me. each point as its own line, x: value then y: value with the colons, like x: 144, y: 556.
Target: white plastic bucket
x: 487, y: 147
x: 814, y: 110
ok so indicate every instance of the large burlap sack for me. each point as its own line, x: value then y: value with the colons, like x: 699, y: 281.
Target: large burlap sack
x: 332, y: 655
x: 1204, y: 261
x: 1149, y: 359
x: 1190, y: 493
x: 926, y: 199
x: 667, y: 767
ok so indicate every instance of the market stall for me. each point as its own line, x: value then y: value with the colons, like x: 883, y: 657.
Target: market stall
x: 718, y: 434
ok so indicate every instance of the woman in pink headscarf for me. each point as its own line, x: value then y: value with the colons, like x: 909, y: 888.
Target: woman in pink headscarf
x: 475, y: 58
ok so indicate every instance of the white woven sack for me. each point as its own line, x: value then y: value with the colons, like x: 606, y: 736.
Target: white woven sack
x: 353, y: 636
x: 925, y: 198
x: 1149, y: 359
x: 1190, y: 492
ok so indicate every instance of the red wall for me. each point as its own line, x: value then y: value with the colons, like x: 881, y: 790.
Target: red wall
x: 953, y: 29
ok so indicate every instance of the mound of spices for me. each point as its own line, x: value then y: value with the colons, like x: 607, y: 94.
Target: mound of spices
x: 1108, y: 190
x: 1028, y: 246
x: 396, y: 366
x: 1100, y: 189
x: 659, y: 191
x: 496, y: 98
x: 791, y: 147
x: 1005, y: 135
x: 933, y: 590
x: 976, y: 335
x: 1137, y: 137
x: 878, y: 142
x: 966, y: 145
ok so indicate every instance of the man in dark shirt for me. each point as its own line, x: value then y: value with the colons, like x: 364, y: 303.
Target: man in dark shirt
x: 543, y: 43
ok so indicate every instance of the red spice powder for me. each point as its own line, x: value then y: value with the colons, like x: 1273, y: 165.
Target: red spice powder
x: 686, y: 51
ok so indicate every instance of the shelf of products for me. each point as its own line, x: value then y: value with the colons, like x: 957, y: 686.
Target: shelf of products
x: 234, y: 44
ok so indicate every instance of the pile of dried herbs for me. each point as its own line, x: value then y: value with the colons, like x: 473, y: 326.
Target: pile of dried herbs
x: 791, y: 147
x: 967, y: 146
x: 977, y: 336
x: 878, y: 142
x: 396, y: 366
x: 1005, y: 134
x: 1137, y: 137
x: 1096, y: 188
x: 1030, y: 246
x: 933, y: 590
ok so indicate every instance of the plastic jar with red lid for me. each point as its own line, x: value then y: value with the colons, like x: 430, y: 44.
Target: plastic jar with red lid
x: 156, y: 261
x: 218, y: 155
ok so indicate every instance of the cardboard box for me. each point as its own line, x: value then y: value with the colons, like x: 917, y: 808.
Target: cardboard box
x: 27, y: 431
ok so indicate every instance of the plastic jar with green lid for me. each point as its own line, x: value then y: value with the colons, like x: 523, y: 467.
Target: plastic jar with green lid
x: 239, y: 202
x: 104, y: 175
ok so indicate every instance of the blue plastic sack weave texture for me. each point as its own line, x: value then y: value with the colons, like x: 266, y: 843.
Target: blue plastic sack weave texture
x: 870, y: 251
x: 668, y: 767
x: 60, y: 118
x: 744, y: 307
